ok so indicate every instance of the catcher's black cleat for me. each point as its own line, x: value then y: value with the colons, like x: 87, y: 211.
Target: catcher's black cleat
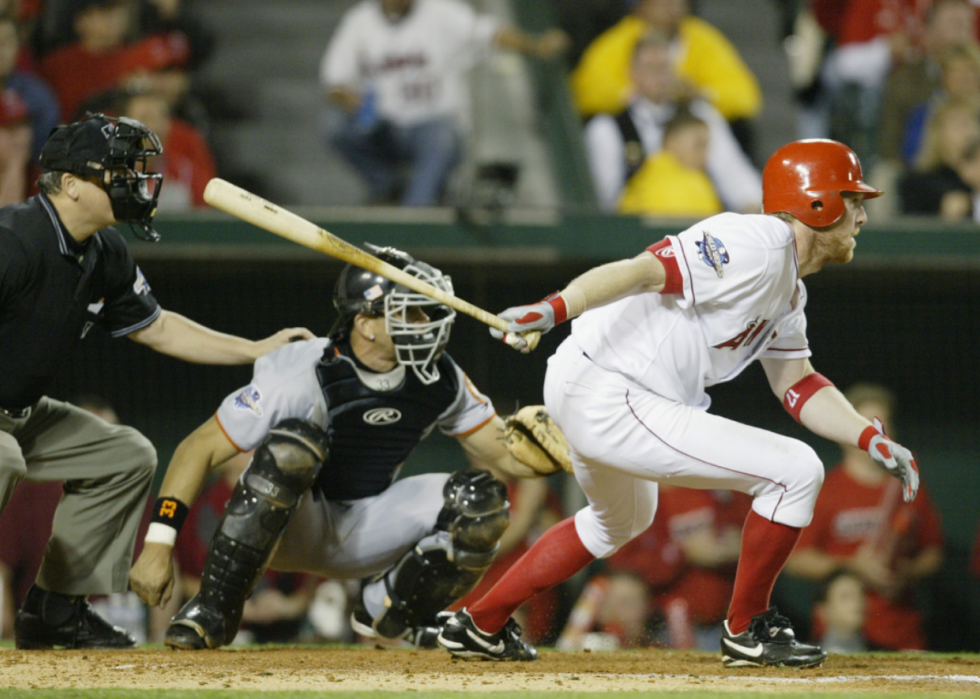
x: 769, y: 640
x: 461, y: 637
x: 422, y: 637
x: 198, y: 626
x: 75, y: 625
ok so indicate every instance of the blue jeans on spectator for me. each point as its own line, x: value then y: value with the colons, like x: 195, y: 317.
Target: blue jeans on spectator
x: 430, y: 150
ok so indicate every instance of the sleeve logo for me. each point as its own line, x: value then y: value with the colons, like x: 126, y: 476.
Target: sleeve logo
x: 140, y: 286
x: 248, y: 400
x: 713, y: 253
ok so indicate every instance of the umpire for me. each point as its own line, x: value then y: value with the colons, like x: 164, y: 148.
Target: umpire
x: 63, y: 269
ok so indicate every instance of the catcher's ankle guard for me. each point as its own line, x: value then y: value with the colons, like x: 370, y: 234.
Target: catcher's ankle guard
x: 444, y: 566
x: 283, y: 468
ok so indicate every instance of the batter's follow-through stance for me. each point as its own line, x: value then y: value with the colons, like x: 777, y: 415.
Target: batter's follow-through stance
x: 628, y: 390
x: 331, y: 421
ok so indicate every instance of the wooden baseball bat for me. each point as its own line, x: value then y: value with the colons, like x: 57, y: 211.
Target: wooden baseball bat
x: 249, y: 207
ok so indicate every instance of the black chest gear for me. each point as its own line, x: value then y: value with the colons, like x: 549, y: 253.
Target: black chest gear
x: 371, y: 431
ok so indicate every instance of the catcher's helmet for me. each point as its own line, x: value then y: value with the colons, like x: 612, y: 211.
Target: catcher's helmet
x: 122, y: 146
x: 417, y: 345
x: 805, y: 179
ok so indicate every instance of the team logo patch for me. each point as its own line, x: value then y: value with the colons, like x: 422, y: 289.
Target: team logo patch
x: 713, y: 253
x: 382, y: 416
x: 373, y: 293
x: 140, y: 286
x: 107, y: 130
x: 96, y: 308
x: 249, y: 399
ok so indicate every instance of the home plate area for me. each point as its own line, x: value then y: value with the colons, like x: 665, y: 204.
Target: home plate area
x: 326, y: 668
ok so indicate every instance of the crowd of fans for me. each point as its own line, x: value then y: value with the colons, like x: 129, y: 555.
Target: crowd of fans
x: 667, y: 108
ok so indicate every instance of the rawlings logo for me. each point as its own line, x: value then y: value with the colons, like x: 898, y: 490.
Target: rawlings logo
x: 382, y: 416
x: 713, y: 253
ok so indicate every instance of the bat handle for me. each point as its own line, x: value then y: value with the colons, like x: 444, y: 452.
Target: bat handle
x: 527, y: 340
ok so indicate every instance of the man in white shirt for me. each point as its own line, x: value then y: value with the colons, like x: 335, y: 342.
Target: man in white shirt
x: 628, y: 390
x: 398, y: 68
x: 617, y: 145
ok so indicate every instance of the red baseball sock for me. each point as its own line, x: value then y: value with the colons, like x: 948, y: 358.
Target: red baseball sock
x: 765, y: 547
x: 553, y: 559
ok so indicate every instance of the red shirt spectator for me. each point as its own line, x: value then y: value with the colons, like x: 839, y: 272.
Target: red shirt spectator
x: 858, y: 21
x: 25, y: 527
x: 850, y: 515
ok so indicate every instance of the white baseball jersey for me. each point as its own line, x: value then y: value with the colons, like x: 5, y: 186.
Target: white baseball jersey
x: 285, y: 385
x: 417, y: 65
x: 742, y: 299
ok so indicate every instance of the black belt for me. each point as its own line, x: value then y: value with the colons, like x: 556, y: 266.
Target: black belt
x: 16, y: 414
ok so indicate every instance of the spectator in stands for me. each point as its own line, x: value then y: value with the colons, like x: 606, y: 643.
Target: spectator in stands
x: 960, y: 82
x: 964, y: 204
x: 870, y: 37
x: 618, y: 145
x: 584, y: 20
x: 42, y: 105
x: 186, y: 163
x: 705, y: 62
x: 15, y: 147
x: 949, y: 24
x: 102, y: 59
x: 276, y: 610
x: 952, y: 127
x: 861, y: 525
x: 398, y: 69
x: 673, y: 182
x: 839, y: 612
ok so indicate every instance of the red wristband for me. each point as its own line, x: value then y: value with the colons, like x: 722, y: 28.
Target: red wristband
x: 558, y: 303
x: 674, y: 282
x: 864, y: 441
x: 800, y: 392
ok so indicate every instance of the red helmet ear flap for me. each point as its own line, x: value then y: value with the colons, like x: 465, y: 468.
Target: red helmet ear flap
x: 806, y: 178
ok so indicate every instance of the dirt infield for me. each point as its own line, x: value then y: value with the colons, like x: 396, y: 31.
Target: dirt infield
x: 324, y: 668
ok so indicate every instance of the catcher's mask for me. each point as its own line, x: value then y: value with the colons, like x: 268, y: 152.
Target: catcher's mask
x: 806, y: 178
x: 122, y: 147
x: 418, y: 341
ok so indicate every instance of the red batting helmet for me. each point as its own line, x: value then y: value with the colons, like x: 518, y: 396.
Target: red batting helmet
x: 805, y: 179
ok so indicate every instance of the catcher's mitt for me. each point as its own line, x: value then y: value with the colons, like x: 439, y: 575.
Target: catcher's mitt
x: 535, y: 440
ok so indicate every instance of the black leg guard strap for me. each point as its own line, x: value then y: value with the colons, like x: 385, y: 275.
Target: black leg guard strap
x: 283, y: 468
x: 443, y: 567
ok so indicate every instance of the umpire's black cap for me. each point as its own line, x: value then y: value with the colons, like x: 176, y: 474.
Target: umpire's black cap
x: 70, y: 148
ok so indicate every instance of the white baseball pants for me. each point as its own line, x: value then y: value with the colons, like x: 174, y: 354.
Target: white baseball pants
x: 625, y: 439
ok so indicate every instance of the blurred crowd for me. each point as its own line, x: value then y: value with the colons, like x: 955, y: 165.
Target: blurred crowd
x: 868, y: 554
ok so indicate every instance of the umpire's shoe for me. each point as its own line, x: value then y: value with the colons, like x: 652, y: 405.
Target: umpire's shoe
x: 461, y: 637
x: 52, y: 620
x: 769, y: 640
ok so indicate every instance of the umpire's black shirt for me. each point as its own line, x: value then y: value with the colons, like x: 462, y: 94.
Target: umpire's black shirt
x: 53, y: 289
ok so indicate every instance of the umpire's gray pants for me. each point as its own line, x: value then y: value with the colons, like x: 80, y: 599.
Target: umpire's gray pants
x: 361, y: 538
x: 107, y: 471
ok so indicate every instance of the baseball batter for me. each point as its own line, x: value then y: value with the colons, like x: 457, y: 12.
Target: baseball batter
x: 628, y: 390
x: 337, y: 416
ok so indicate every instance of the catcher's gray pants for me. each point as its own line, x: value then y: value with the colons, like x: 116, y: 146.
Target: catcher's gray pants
x: 107, y: 471
x: 361, y: 538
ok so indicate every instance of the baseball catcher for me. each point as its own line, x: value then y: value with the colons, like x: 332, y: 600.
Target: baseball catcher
x: 331, y: 421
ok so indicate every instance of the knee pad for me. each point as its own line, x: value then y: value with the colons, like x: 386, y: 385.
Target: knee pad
x: 283, y: 468
x: 444, y: 566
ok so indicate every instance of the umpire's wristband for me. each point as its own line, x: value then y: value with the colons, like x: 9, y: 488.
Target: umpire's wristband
x: 165, y: 523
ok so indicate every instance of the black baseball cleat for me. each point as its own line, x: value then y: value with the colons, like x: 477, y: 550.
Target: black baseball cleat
x: 198, y: 626
x: 422, y: 637
x: 769, y: 640
x: 461, y: 637
x: 73, y: 627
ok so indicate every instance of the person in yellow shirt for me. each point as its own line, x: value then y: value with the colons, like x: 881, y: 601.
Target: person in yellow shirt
x: 673, y: 182
x: 704, y: 59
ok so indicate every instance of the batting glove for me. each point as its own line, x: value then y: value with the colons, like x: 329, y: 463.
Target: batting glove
x: 541, y: 316
x: 892, y: 457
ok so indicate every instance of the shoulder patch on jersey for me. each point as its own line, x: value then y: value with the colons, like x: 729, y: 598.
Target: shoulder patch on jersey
x: 249, y: 400
x: 140, y: 286
x: 382, y: 416
x: 713, y: 253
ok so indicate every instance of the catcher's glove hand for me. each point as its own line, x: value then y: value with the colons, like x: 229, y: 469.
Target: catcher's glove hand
x: 534, y: 439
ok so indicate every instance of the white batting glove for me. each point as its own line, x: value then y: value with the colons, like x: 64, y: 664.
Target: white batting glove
x: 892, y: 457
x: 541, y: 316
